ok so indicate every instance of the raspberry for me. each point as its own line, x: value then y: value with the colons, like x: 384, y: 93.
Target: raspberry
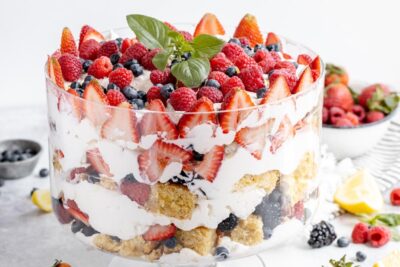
x: 170, y: 26
x: 252, y: 78
x: 154, y: 93
x: 266, y: 65
x: 89, y: 49
x: 161, y: 77
x: 360, y: 233
x: 378, y: 236
x: 115, y: 97
x: 147, y: 60
x: 276, y: 56
x: 352, y: 118
x: 219, y: 63
x: 359, y: 111
x: 108, y: 48
x: 121, y: 77
x: 232, y: 51
x: 71, y: 67
x: 289, y: 66
x: 187, y: 35
x: 291, y: 78
x: 244, y: 61
x: 373, y: 116
x: 182, y: 99
x: 335, y: 114
x: 100, y: 68
x: 395, y: 197
x: 219, y: 76
x: 211, y: 93
x: 325, y: 115
x: 136, y: 51
x: 244, y: 41
x: 233, y: 82
x: 343, y: 122
x: 126, y: 43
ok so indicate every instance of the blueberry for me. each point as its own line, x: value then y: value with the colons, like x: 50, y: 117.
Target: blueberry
x: 270, y: 209
x: 261, y: 92
x: 235, y: 41
x: 273, y: 47
x: 186, y: 55
x: 28, y: 151
x: 137, y: 103
x: 93, y: 178
x: 1, y: 182
x: 295, y: 64
x: 119, y: 41
x: 130, y: 92
x: 174, y: 61
x: 76, y: 226
x: 142, y: 95
x: 228, y: 224
x: 361, y: 256
x: 75, y: 85
x: 117, y: 66
x: 130, y: 177
x: 112, y: 86
x: 171, y: 242
x: 258, y: 47
x: 231, y: 71
x: 267, y: 232
x: 213, y: 83
x: 136, y: 69
x: 14, y: 158
x: 84, y: 84
x: 248, y: 50
x: 88, y: 231
x: 43, y: 173
x: 86, y: 64
x: 80, y: 91
x: 88, y: 78
x: 166, y: 90
x: 129, y: 63
x: 221, y: 253
x: 114, y: 58
x: 197, y: 156
x: 343, y: 242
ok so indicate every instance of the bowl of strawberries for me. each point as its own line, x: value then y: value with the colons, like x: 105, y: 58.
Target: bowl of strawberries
x: 355, y: 115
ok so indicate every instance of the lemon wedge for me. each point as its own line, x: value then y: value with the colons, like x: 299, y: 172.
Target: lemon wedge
x: 391, y: 260
x: 359, y: 194
x: 42, y: 199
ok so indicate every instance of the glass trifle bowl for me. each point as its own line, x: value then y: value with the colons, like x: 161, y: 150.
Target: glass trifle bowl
x: 236, y: 182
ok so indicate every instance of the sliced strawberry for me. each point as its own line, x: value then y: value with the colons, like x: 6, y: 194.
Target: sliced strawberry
x: 254, y: 139
x: 235, y: 99
x: 204, y: 113
x: 273, y: 39
x: 76, y: 103
x: 94, y: 108
x: 158, y: 122
x: 209, y: 24
x: 305, y: 81
x: 278, y: 90
x: 54, y: 71
x: 285, y: 131
x: 209, y: 166
x: 121, y: 125
x: 304, y: 59
x: 152, y: 162
x: 68, y: 44
x: 248, y: 27
x: 74, y: 210
x: 136, y: 191
x: 96, y: 160
x: 316, y: 67
x: 159, y: 232
x: 88, y: 33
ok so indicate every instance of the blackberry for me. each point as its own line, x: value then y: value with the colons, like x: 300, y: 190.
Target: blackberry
x: 322, y: 234
x: 228, y: 224
x: 197, y: 156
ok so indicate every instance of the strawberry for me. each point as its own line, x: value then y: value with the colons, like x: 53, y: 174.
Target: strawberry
x: 248, y: 27
x: 89, y: 49
x: 288, y: 66
x: 182, y: 99
x: 161, y: 77
x: 252, y: 78
x: 278, y: 90
x: 373, y: 116
x: 395, y: 197
x: 136, y: 51
x: 159, y: 232
x: 290, y: 77
x: 115, y: 97
x: 88, y: 33
x: 368, y: 92
x: 154, y: 93
x: 95, y: 95
x: 68, y: 44
x: 76, y: 104
x: 286, y: 56
x: 108, y: 48
x: 235, y: 99
x: 187, y: 35
x: 96, y: 160
x: 316, y: 67
x: 338, y: 95
x: 71, y: 67
x: 170, y: 26
x: 209, y: 24
x: 285, y: 131
x: 335, y: 74
x: 158, y: 123
x: 253, y: 139
x: 219, y: 63
x: 211, y: 93
x: 304, y: 59
x: 219, y: 76
x: 138, y: 192
x: 152, y: 162
x: 201, y: 112
x: 74, y: 210
x: 121, y: 77
x: 232, y: 51
x: 273, y: 40
x: 305, y: 81
x: 147, y: 59
x: 244, y: 61
x: 209, y: 166
x: 101, y: 67
x: 126, y: 43
x: 54, y: 71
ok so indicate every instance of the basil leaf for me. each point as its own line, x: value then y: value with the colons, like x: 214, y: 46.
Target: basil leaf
x: 160, y: 60
x: 150, y: 31
x: 192, y: 72
x: 207, y: 45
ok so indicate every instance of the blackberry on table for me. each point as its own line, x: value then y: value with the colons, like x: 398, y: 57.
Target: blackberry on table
x: 322, y: 234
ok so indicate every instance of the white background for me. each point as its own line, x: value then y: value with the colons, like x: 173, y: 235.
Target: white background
x: 363, y: 35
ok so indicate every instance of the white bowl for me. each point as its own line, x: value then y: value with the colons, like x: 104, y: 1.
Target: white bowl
x: 355, y: 141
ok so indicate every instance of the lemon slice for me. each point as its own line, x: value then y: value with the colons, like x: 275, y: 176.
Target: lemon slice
x: 391, y: 260
x: 42, y: 199
x: 359, y: 194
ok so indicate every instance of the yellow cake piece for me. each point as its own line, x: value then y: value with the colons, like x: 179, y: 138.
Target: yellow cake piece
x: 201, y: 239
x: 266, y: 181
x: 248, y: 232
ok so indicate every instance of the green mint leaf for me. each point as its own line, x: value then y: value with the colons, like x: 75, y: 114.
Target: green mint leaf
x: 160, y: 60
x: 176, y: 36
x: 386, y: 219
x: 150, y: 31
x: 207, y: 45
x: 395, y: 235
x: 192, y: 72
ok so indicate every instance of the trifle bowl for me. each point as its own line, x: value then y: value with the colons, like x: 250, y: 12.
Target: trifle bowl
x: 190, y: 177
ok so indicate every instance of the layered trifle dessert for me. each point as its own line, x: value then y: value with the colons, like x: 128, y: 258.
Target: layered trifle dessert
x: 177, y: 144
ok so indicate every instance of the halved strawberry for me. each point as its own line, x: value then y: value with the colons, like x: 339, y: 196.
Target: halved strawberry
x: 305, y: 81
x: 136, y: 191
x: 209, y: 24
x: 254, y: 139
x: 121, y: 125
x: 285, y: 131
x: 54, y: 71
x: 316, y: 67
x: 152, y: 162
x: 68, y: 44
x: 248, y: 27
x: 95, y: 106
x: 76, y: 103
x: 230, y: 117
x: 278, y: 90
x: 159, y: 232
x: 209, y: 166
x: 74, y: 210
x: 96, y: 160
x: 273, y: 39
x: 88, y: 33
x: 158, y: 122
x: 304, y: 59
x: 204, y: 109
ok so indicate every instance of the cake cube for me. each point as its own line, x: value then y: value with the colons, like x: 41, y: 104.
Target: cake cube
x: 201, y: 239
x: 266, y: 181
x: 249, y: 232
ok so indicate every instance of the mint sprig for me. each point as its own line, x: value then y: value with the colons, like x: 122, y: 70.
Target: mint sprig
x: 342, y: 263
x: 155, y: 34
x: 383, y: 219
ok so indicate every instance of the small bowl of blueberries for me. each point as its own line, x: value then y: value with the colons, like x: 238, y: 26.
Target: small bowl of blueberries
x: 18, y: 158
